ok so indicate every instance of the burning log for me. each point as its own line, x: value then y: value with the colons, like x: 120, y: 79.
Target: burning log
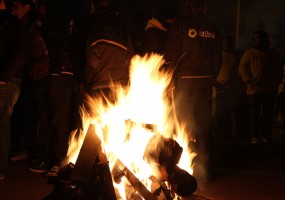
x: 90, y: 178
x: 182, y: 183
x: 163, y: 154
x: 134, y: 181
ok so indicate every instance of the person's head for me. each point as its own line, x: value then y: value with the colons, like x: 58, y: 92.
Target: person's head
x: 228, y: 43
x: 41, y: 6
x: 101, y: 5
x: 190, y: 7
x: 21, y: 7
x: 260, y: 40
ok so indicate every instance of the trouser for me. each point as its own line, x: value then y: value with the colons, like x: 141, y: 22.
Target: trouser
x: 9, y: 94
x: 62, y: 92
x: 24, y: 118
x: 41, y: 95
x: 226, y: 118
x: 193, y: 106
x: 260, y: 115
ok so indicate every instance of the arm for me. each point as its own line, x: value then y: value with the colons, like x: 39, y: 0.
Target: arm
x: 244, y: 68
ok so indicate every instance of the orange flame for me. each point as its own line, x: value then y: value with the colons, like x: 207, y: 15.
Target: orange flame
x: 121, y: 125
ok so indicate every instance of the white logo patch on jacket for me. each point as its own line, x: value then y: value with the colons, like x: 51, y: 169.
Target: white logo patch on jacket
x: 204, y: 34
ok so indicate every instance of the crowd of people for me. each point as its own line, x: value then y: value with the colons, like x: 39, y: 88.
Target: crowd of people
x: 46, y: 69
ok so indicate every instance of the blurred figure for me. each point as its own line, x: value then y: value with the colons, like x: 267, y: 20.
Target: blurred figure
x: 32, y: 110
x: 281, y: 99
x: 193, y: 52
x: 229, y: 94
x: 52, y: 92
x: 260, y: 68
x: 62, y: 90
x: 13, y: 56
x: 156, y: 30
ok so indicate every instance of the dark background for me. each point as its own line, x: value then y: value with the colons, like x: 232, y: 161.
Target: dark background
x: 238, y: 18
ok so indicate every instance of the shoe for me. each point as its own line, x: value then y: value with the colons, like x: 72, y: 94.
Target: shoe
x: 39, y: 166
x: 20, y: 156
x: 53, y: 171
x: 254, y: 140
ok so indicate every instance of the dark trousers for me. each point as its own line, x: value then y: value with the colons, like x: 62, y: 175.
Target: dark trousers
x: 24, y: 119
x: 260, y: 115
x: 9, y: 94
x: 193, y: 106
x: 62, y: 95
x: 229, y: 114
x: 41, y: 95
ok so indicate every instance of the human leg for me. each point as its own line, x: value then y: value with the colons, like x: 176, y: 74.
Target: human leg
x: 9, y: 94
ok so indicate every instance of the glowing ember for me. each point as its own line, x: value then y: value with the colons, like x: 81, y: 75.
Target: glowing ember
x: 126, y: 125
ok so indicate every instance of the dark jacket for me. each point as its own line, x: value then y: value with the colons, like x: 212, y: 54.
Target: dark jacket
x: 38, y: 63
x: 194, y: 49
x: 53, y: 36
x: 13, y: 46
x: 108, y: 52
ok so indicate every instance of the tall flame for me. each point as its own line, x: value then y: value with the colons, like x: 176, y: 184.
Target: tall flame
x: 122, y: 124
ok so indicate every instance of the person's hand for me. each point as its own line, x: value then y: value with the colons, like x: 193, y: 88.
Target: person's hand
x: 2, y: 83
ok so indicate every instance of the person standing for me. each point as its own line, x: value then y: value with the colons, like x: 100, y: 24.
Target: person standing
x: 34, y: 91
x: 108, y: 50
x: 229, y: 95
x: 260, y: 69
x: 13, y: 56
x: 193, y: 52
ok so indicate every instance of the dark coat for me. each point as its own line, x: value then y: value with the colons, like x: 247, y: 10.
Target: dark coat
x: 13, y: 46
x: 194, y: 49
x: 108, y: 52
x: 38, y: 63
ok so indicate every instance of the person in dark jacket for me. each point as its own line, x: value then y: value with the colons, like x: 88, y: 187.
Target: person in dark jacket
x: 52, y: 92
x: 31, y: 113
x: 108, y: 53
x: 108, y: 50
x: 193, y: 52
x: 13, y: 56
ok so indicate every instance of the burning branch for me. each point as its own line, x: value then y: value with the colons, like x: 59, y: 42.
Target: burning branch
x: 134, y: 181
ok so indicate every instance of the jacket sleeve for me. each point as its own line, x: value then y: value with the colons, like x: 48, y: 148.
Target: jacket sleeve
x: 244, y: 68
x: 173, y: 50
x: 217, y: 55
x: 18, y: 54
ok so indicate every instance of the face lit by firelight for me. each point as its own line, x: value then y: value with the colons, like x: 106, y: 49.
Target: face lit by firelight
x: 20, y: 9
